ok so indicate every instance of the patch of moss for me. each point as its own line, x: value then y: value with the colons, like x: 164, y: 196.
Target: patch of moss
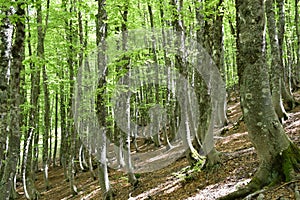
x: 290, y: 161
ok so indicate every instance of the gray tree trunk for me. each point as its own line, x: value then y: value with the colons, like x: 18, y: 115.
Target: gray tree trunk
x: 297, y: 24
x: 13, y: 156
x: 204, y: 38
x: 101, y: 34
x: 40, y: 51
x: 286, y: 92
x: 276, y: 67
x: 71, y: 132
x: 5, y: 48
x: 278, y: 156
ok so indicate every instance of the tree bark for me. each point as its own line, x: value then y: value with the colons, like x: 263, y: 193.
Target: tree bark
x: 276, y: 66
x: 279, y: 157
x: 13, y: 156
x: 101, y: 34
x: 297, y: 24
x: 5, y: 52
x: 71, y: 132
x: 40, y: 51
x: 205, y: 39
x: 286, y: 92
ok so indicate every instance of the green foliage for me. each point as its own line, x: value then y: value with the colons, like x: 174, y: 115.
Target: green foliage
x: 189, y: 173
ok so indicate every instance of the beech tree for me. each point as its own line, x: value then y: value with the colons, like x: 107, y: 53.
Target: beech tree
x: 4, y: 107
x: 7, y: 189
x: 279, y: 157
x: 276, y: 65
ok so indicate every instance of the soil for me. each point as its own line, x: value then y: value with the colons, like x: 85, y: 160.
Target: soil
x: 175, y: 181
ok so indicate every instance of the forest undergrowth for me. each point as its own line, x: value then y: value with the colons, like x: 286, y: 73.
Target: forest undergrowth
x: 239, y: 163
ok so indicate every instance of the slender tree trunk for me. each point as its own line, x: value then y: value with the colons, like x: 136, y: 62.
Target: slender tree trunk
x: 203, y: 38
x: 70, y: 35
x: 276, y: 66
x: 29, y: 167
x: 218, y: 57
x: 40, y: 51
x: 64, y: 143
x: 297, y: 24
x: 171, y: 122
x: 55, y: 129
x: 5, y: 52
x: 13, y: 156
x: 156, y: 138
x: 64, y: 150
x: 101, y: 34
x: 126, y: 138
x: 286, y: 92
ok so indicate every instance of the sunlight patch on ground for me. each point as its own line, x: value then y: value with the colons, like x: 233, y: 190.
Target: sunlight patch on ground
x: 296, y: 123
x: 93, y: 193
x: 236, y: 136
x: 215, y: 191
x: 166, y: 187
x: 233, y: 107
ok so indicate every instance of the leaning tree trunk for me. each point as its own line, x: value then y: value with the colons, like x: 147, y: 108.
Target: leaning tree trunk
x: 218, y: 57
x: 6, y: 184
x: 286, y: 92
x: 182, y: 66
x: 204, y: 100
x: 278, y: 156
x: 276, y: 66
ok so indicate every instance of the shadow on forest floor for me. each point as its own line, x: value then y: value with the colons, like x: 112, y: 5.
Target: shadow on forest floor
x: 239, y: 163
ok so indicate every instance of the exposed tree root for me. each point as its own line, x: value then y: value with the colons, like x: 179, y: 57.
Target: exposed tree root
x: 285, y: 167
x: 250, y: 188
x: 250, y: 196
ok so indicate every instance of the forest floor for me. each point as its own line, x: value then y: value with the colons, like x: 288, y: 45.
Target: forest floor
x: 239, y: 163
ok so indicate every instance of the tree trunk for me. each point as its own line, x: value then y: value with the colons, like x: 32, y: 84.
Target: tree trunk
x: 64, y: 143
x: 55, y: 129
x: 5, y: 48
x: 204, y: 35
x: 13, y: 156
x: 276, y: 66
x: 278, y: 156
x: 72, y: 136
x: 156, y: 137
x: 286, y: 93
x: 101, y: 34
x: 297, y: 24
x: 218, y: 57
x: 40, y: 51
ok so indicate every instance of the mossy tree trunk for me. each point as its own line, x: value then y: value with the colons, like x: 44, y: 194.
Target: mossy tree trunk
x: 297, y: 24
x: 5, y: 47
x: 101, y: 34
x: 13, y: 155
x: 41, y: 52
x: 279, y: 157
x: 71, y: 36
x: 276, y: 64
x: 205, y: 39
x: 285, y: 90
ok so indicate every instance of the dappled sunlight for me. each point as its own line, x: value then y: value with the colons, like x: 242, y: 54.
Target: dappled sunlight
x: 165, y: 187
x: 239, y: 164
x: 215, y: 191
x: 92, y: 194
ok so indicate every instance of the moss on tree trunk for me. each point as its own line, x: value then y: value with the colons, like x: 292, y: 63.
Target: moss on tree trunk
x: 279, y: 157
